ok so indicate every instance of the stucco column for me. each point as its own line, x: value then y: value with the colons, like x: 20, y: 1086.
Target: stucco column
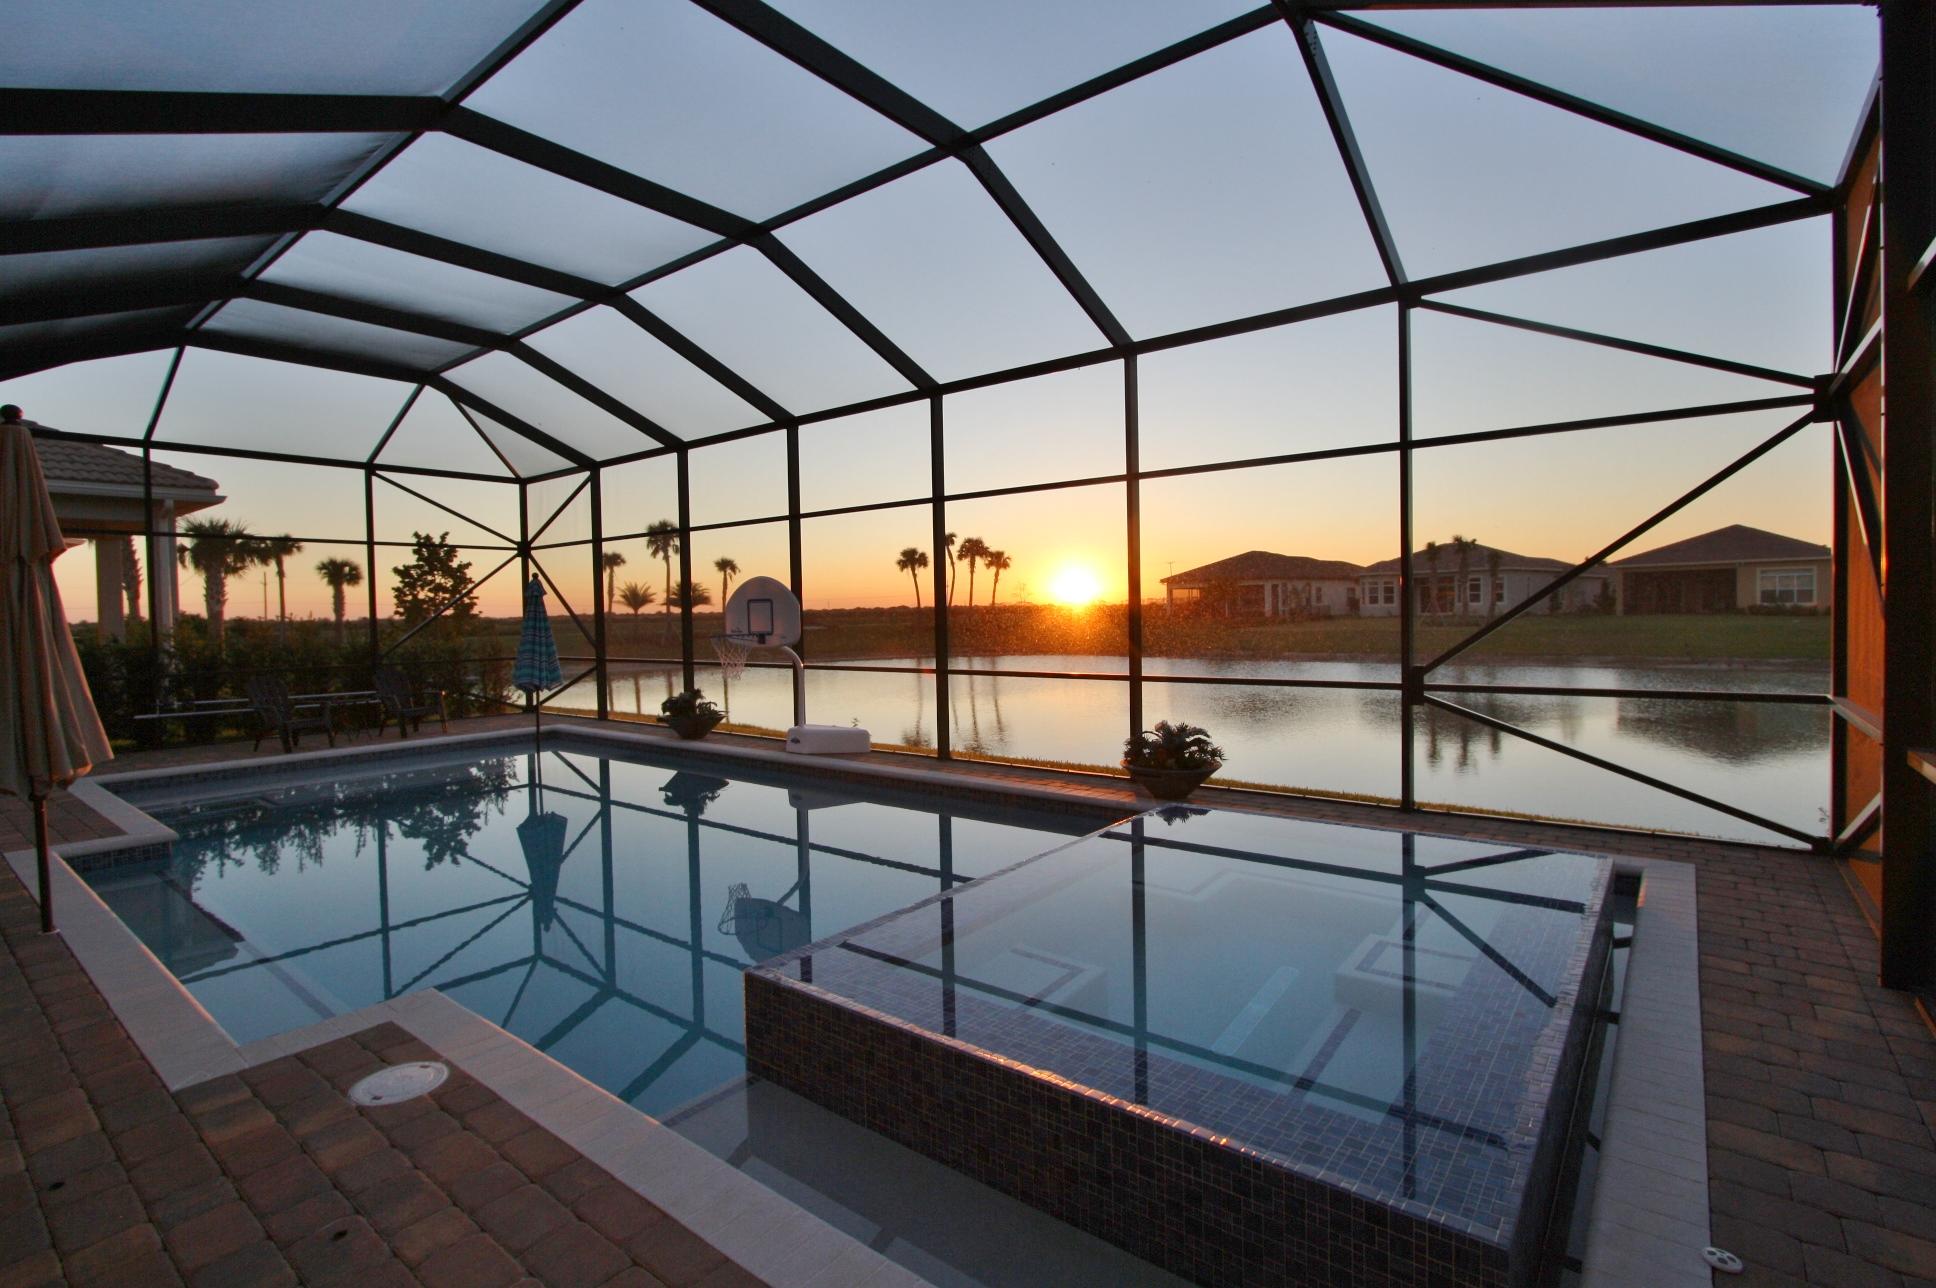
x: 110, y: 615
x: 162, y: 572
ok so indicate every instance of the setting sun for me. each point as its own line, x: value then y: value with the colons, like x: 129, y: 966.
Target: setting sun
x: 1074, y: 586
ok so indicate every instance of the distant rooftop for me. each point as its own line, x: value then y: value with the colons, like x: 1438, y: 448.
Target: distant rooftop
x: 1262, y: 565
x: 1478, y: 558
x: 1736, y: 543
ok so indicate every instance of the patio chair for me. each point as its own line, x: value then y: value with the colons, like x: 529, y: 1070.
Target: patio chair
x: 278, y: 713
x: 393, y: 690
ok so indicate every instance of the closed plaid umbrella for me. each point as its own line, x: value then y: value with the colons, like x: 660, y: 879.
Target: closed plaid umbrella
x: 52, y: 733
x: 536, y: 668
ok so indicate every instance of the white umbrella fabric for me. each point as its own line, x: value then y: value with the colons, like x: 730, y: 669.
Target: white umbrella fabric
x: 53, y: 734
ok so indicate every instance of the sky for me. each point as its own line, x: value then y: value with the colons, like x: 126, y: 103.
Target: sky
x: 1205, y: 192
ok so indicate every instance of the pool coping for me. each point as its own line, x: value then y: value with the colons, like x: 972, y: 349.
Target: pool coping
x: 1653, y: 1171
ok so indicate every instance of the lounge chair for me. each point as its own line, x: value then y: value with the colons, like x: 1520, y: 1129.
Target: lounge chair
x: 393, y: 690
x: 278, y: 713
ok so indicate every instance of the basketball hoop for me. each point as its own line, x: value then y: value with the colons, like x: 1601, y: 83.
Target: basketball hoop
x: 732, y: 647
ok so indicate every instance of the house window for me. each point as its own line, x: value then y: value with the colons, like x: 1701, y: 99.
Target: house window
x: 1787, y: 586
x: 1473, y: 594
x: 1498, y: 590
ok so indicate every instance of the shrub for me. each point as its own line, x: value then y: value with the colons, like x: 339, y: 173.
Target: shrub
x: 1172, y: 746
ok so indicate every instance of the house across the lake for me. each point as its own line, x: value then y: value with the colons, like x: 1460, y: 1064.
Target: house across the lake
x: 1471, y: 579
x: 1723, y: 571
x: 1259, y: 583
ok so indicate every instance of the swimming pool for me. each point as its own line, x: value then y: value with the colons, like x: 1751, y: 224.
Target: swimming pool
x: 603, y: 915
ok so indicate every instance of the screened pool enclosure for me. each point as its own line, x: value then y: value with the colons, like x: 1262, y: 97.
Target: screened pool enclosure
x: 977, y: 323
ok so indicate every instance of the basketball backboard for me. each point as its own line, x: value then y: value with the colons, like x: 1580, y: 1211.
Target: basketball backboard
x: 765, y: 609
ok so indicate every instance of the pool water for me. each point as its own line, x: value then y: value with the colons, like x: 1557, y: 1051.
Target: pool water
x: 604, y: 915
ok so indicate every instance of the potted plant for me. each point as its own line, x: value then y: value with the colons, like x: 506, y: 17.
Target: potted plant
x: 690, y: 715
x: 1172, y: 760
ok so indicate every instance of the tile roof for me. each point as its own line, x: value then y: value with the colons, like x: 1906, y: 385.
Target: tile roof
x: 66, y: 461
x: 1736, y: 543
x: 1262, y: 565
x: 1478, y: 559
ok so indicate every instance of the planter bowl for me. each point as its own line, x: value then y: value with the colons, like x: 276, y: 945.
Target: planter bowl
x: 694, y: 726
x: 1169, y: 784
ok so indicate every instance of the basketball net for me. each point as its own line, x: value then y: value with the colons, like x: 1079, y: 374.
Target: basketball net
x: 732, y: 648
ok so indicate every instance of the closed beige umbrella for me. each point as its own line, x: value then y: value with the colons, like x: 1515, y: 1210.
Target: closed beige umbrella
x: 53, y: 735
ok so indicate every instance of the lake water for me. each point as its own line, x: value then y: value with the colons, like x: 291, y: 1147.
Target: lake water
x: 1771, y: 760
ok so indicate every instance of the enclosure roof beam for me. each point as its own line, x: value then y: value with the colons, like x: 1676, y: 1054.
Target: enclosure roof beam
x: 153, y: 225
x: 118, y: 111
x: 25, y: 359
x: 792, y: 41
x: 568, y: 163
x: 462, y: 396
x: 249, y: 346
x: 150, y: 291
x: 351, y: 310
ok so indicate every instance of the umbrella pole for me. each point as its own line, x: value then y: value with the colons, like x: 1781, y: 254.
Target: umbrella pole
x: 39, y: 800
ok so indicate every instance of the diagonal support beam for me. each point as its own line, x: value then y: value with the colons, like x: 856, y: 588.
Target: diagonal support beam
x: 1600, y: 762
x: 846, y: 314
x: 1571, y: 103
x: 1599, y: 557
x: 1343, y: 136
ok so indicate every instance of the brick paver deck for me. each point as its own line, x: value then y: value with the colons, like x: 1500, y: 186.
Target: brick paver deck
x: 274, y: 1177
x: 1821, y: 1085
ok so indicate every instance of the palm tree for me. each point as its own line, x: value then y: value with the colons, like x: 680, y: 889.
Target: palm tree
x: 218, y: 550
x: 1463, y: 547
x: 687, y: 592
x: 911, y: 562
x: 1431, y: 578
x: 611, y: 561
x: 339, y: 573
x: 948, y: 548
x: 727, y: 570
x: 131, y: 578
x: 999, y: 561
x: 636, y: 597
x: 970, y: 552
x: 275, y: 550
x: 662, y: 540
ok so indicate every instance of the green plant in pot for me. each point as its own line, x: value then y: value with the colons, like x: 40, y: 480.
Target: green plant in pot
x: 1172, y: 760
x: 690, y: 715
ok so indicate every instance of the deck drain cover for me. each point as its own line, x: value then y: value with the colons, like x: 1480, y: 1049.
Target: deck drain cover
x: 1723, y: 1260
x: 400, y: 1082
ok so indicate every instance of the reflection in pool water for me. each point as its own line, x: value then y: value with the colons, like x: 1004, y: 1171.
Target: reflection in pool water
x: 603, y: 917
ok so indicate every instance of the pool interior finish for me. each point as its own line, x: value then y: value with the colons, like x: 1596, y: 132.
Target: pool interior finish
x: 1398, y: 1018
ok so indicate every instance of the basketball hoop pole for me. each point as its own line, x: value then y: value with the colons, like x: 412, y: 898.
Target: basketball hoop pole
x: 799, y: 685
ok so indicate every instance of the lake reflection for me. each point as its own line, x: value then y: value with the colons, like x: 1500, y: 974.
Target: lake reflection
x: 1768, y: 759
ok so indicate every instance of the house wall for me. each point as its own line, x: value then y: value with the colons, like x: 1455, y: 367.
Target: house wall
x: 1638, y: 590
x: 1518, y: 584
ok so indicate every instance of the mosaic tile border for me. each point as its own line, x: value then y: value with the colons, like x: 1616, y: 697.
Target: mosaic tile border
x: 1183, y: 1197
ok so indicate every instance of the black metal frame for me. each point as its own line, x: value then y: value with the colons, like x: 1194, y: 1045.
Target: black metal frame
x: 92, y: 112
